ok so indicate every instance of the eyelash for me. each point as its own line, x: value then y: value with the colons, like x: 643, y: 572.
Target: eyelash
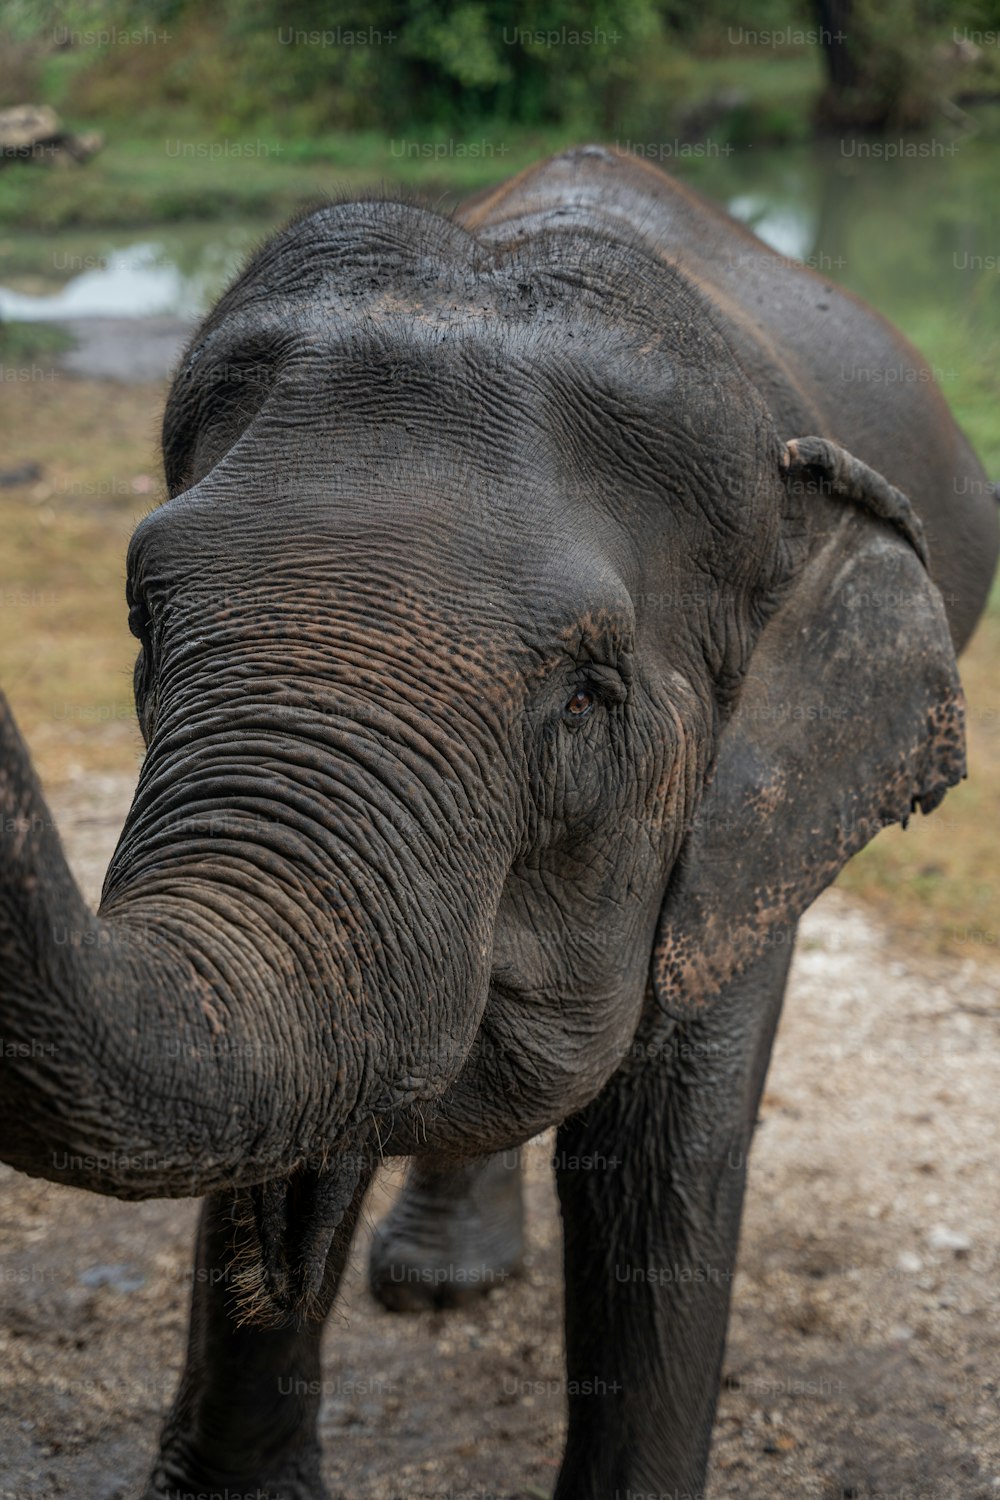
x: 602, y: 687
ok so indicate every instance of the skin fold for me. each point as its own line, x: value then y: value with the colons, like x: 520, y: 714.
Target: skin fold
x: 542, y: 612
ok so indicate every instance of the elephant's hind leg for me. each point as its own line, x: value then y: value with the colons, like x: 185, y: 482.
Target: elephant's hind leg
x: 453, y: 1234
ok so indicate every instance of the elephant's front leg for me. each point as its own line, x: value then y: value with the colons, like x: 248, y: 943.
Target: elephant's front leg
x: 243, y: 1420
x: 454, y: 1232
x: 651, y: 1181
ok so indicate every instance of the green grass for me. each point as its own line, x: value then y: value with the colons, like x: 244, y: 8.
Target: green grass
x: 969, y: 355
x: 21, y: 343
x: 65, y: 652
x: 160, y: 178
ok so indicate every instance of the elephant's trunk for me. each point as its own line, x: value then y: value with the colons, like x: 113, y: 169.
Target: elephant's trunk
x: 248, y: 999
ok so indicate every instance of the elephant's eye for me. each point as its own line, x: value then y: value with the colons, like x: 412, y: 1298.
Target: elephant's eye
x: 580, y: 704
x: 138, y: 624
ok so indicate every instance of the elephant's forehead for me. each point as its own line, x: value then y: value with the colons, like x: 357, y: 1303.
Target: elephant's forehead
x: 526, y: 374
x: 375, y: 260
x: 370, y: 298
x: 405, y: 328
x: 511, y: 448
x: 470, y: 391
x: 398, y: 358
x: 529, y: 412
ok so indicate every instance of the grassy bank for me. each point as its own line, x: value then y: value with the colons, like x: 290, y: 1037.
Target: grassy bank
x: 65, y: 652
x: 161, y: 178
x: 164, y: 164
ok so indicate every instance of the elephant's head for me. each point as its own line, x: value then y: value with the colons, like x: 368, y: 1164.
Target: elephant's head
x: 501, y: 669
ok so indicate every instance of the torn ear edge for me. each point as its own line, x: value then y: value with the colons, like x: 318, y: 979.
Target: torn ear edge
x: 849, y: 716
x: 841, y: 474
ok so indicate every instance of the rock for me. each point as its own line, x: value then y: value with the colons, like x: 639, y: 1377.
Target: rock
x: 34, y: 132
x: 26, y: 124
x: 943, y: 1238
x: 121, y: 1277
x: 907, y: 1261
x: 25, y: 473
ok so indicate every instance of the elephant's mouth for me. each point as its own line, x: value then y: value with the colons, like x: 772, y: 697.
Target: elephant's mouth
x: 286, y: 1229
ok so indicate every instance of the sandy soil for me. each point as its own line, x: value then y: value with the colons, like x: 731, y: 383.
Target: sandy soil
x: 864, y: 1353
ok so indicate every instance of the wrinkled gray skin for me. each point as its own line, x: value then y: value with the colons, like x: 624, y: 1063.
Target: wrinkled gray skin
x: 518, y: 662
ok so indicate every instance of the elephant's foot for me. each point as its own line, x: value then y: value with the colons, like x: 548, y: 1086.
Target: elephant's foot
x: 181, y: 1477
x: 452, y: 1235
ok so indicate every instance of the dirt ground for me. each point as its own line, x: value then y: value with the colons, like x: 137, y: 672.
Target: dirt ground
x: 864, y: 1351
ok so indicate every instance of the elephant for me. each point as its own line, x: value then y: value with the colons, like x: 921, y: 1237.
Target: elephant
x: 542, y: 611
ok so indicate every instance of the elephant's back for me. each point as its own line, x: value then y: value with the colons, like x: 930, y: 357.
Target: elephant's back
x: 822, y: 359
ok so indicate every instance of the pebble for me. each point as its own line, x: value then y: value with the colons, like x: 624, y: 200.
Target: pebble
x: 122, y: 1277
x: 943, y: 1238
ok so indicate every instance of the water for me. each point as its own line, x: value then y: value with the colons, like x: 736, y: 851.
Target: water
x: 168, y: 271
x: 136, y: 281
x: 912, y: 226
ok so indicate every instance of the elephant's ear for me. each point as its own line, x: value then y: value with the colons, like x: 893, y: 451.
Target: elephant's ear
x: 850, y: 715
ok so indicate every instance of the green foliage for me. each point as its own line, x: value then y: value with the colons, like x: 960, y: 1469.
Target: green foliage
x: 447, y: 63
x: 450, y: 64
x: 900, y: 54
x: 895, y: 66
x: 438, y: 70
